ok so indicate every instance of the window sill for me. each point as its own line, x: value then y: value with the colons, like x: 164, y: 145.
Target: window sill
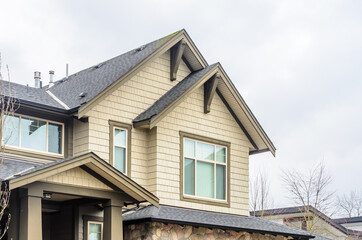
x: 35, y: 154
x: 214, y: 202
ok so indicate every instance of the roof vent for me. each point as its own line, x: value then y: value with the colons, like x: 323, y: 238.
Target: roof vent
x: 37, y: 82
x: 98, y: 66
x: 82, y: 94
x: 140, y: 48
x: 51, y: 76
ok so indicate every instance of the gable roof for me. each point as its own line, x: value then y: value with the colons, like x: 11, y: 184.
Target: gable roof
x: 81, y: 91
x: 172, y: 95
x: 228, y: 94
x: 192, y: 217
x: 89, y: 160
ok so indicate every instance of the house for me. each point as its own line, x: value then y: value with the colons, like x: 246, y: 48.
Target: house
x: 151, y: 144
x: 316, y: 222
x: 352, y: 223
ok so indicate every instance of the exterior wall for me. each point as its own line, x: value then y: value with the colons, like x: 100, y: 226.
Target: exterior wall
x: 218, y: 124
x: 158, y: 231
x: 123, y: 105
x: 80, y: 137
x: 77, y: 177
x: 86, y: 211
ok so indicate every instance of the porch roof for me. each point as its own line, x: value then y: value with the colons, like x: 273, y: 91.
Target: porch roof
x: 20, y: 173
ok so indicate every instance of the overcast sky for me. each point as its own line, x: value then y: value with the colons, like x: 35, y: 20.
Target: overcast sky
x: 298, y: 64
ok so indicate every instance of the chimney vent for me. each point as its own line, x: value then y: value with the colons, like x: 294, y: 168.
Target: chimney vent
x: 51, y: 76
x: 37, y: 80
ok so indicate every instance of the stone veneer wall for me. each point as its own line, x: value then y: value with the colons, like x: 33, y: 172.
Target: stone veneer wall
x: 161, y: 231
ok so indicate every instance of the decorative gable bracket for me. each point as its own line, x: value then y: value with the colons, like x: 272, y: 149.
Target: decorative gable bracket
x: 176, y: 56
x: 209, y: 91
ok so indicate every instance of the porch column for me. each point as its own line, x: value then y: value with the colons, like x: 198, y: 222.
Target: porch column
x: 112, y: 220
x: 30, y: 215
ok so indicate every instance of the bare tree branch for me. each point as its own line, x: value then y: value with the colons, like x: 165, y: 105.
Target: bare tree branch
x: 310, y: 192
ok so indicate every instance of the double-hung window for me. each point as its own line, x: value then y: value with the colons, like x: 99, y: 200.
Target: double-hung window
x: 34, y: 134
x: 120, y: 146
x: 120, y: 149
x: 204, y: 170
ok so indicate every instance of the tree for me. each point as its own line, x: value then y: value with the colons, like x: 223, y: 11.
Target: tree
x: 350, y: 204
x: 259, y: 199
x: 8, y: 106
x: 311, y: 192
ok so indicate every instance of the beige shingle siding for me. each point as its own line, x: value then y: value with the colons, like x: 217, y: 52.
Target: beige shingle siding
x: 218, y: 124
x: 80, y: 137
x: 155, y: 153
x: 77, y: 177
x: 123, y: 105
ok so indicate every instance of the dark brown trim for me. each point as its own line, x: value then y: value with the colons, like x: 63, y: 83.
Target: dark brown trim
x: 128, y: 127
x: 187, y: 64
x: 237, y: 119
x: 209, y: 91
x: 176, y: 53
x: 87, y: 219
x: 196, y: 199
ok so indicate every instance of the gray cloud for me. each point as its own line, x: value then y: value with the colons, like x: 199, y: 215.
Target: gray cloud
x: 296, y: 63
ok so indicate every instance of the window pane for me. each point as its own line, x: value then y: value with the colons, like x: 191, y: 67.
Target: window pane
x: 55, y: 138
x: 189, y: 182
x: 205, y: 179
x: 33, y: 134
x: 95, y: 231
x: 11, y: 131
x: 205, y: 151
x: 119, y: 137
x: 119, y: 159
x: 220, y: 182
x: 220, y: 154
x: 189, y: 148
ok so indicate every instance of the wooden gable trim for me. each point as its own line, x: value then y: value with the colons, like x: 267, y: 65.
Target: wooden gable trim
x: 209, y: 91
x: 153, y: 121
x: 169, y: 43
x: 236, y: 119
x: 176, y: 55
x: 244, y: 107
x: 97, y: 165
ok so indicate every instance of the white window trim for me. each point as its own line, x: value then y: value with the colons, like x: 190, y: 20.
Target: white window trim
x: 207, y: 161
x: 34, y: 150
x: 120, y: 146
x: 95, y: 222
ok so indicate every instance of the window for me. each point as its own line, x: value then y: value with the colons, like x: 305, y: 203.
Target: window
x: 120, y: 143
x: 33, y: 134
x: 120, y: 149
x: 95, y: 230
x: 204, y: 169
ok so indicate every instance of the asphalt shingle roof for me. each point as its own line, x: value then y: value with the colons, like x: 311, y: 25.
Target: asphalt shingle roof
x: 174, y: 93
x: 13, y: 167
x: 212, y: 219
x: 29, y: 94
x: 96, y: 79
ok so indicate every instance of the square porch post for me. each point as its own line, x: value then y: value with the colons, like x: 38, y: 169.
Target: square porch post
x: 113, y: 225
x: 30, y: 215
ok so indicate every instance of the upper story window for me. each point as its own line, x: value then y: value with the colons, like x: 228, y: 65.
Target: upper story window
x: 204, y: 170
x: 120, y: 138
x: 120, y: 149
x: 34, y: 134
